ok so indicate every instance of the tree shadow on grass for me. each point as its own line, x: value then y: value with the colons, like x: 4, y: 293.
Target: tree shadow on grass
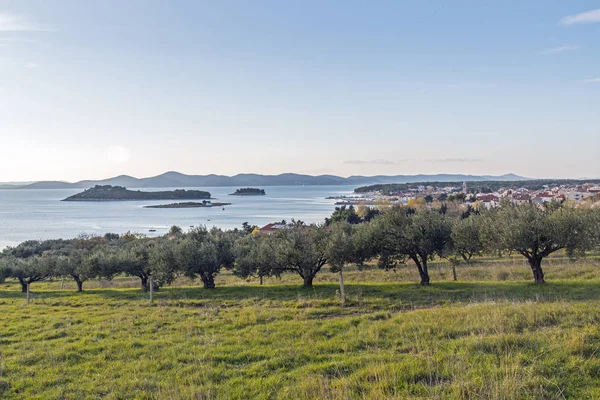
x: 379, y: 295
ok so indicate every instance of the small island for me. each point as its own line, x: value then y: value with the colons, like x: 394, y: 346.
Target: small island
x: 189, y: 204
x: 248, y: 192
x: 119, y: 193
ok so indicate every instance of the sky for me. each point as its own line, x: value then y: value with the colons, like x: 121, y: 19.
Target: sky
x: 93, y: 89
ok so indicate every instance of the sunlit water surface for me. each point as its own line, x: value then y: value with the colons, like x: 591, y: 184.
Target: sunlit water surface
x: 39, y: 214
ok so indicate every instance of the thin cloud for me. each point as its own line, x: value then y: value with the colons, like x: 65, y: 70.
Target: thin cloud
x: 560, y: 49
x: 593, y: 80
x: 371, y: 162
x: 18, y: 40
x: 19, y: 23
x: 454, y: 160
x: 427, y: 160
x: 588, y: 17
x: 30, y: 65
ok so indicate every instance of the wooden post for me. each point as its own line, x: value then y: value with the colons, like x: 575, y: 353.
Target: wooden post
x: 151, y: 290
x: 342, y: 289
x: 62, y: 283
x: 27, y: 292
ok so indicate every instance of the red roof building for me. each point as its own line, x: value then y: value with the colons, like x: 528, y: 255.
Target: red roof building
x: 273, y: 227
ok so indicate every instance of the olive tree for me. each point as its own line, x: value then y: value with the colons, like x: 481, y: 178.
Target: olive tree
x: 31, y: 261
x: 32, y: 269
x: 257, y: 256
x: 418, y: 236
x: 303, y: 250
x: 536, y: 232
x: 202, y: 253
x: 147, y: 259
x: 77, y: 259
x: 466, y: 237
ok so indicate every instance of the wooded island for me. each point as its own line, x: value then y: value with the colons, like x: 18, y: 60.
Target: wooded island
x: 119, y: 193
x: 248, y: 192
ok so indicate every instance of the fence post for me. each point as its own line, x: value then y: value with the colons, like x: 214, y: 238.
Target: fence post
x: 151, y: 290
x: 27, y: 292
x: 342, y: 288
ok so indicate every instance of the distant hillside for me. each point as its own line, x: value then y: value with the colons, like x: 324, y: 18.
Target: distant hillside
x: 119, y: 193
x: 12, y: 185
x: 176, y: 179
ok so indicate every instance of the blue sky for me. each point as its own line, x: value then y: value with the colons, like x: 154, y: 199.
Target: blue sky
x: 91, y: 89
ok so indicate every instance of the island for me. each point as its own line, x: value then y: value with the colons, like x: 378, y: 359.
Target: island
x: 120, y: 193
x: 189, y: 204
x: 248, y: 192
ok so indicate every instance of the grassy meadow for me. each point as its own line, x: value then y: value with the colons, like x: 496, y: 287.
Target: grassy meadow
x: 490, y: 335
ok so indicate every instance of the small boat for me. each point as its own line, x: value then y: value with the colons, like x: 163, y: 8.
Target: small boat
x: 152, y: 230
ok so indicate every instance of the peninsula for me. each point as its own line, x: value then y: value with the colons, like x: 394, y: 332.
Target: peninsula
x: 189, y: 204
x: 248, y: 192
x: 119, y: 193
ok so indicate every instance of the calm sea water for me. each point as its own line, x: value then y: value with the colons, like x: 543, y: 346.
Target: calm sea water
x: 39, y: 214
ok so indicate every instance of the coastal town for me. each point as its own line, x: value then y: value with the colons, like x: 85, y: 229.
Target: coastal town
x: 478, y: 195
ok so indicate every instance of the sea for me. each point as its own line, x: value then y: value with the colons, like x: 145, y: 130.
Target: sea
x: 39, y: 214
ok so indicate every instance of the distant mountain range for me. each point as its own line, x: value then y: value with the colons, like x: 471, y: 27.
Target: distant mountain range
x: 179, y: 180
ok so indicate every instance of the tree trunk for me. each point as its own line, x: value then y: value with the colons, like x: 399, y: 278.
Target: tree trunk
x: 144, y: 280
x: 422, y: 267
x: 454, y: 271
x: 536, y: 268
x: 425, y: 276
x: 261, y: 279
x: 308, y: 281
x: 342, y: 288
x: 209, y: 281
x: 23, y: 285
x: 79, y: 283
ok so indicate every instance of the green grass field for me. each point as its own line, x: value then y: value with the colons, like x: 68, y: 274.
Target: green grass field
x: 491, y: 335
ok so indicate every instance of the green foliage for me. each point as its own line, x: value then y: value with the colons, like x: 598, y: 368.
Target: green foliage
x: 148, y: 259
x: 535, y: 232
x: 340, y: 246
x: 466, y: 237
x: 303, y: 250
x: 460, y: 197
x: 31, y: 261
x: 175, y: 231
x: 257, y: 256
x: 75, y: 259
x: 343, y: 214
x: 5, y: 271
x: 398, y: 235
x: 419, y: 236
x: 202, y: 253
x: 247, y: 228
